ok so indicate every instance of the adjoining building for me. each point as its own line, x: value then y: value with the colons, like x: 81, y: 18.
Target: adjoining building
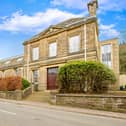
x: 73, y: 39
x: 12, y: 66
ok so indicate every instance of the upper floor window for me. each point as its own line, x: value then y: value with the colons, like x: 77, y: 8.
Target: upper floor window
x: 35, y: 53
x: 52, y: 49
x: 74, y: 44
x: 106, y: 51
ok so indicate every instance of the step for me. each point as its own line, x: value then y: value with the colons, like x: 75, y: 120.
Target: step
x: 39, y: 97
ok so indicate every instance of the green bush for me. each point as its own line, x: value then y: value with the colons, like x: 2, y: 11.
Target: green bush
x: 25, y: 84
x: 80, y: 77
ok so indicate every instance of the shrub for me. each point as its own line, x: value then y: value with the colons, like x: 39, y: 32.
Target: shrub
x: 3, y: 84
x: 10, y: 83
x: 80, y: 76
x: 14, y: 83
x: 25, y: 84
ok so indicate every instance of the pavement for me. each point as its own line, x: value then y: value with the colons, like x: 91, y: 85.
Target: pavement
x: 69, y: 109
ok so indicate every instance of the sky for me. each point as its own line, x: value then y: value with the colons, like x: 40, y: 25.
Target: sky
x: 22, y: 19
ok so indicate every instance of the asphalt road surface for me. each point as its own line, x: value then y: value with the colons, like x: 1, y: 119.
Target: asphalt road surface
x: 12, y: 114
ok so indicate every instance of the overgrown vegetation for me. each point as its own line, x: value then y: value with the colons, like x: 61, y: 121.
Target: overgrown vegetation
x: 122, y: 55
x: 13, y: 83
x: 80, y: 77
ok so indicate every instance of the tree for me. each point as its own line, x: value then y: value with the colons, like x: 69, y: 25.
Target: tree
x: 123, y: 36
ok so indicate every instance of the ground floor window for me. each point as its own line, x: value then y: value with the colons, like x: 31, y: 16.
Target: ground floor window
x: 35, y: 76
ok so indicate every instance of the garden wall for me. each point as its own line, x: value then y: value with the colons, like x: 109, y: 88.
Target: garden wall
x: 101, y: 102
x: 16, y: 95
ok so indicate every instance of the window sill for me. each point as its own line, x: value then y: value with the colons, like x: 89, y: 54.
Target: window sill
x: 52, y: 57
x: 35, y: 60
x: 74, y: 53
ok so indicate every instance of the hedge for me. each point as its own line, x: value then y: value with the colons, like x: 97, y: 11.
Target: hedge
x: 81, y: 77
x: 13, y: 83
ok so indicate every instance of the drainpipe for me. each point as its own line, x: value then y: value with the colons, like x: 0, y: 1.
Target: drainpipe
x: 96, y: 44
x: 85, y: 52
x: 85, y: 42
x: 28, y: 59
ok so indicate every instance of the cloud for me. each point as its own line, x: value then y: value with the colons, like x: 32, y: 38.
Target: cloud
x: 104, y: 5
x: 108, y: 31
x: 120, y: 18
x: 19, y: 22
x: 114, y: 5
x: 78, y: 4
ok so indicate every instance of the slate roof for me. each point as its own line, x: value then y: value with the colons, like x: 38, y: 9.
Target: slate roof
x: 12, y: 62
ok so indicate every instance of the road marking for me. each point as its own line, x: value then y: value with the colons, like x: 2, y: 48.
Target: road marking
x: 7, y: 112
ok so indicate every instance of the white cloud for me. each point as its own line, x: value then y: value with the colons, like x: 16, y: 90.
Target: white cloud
x: 104, y: 5
x: 108, y: 31
x: 120, y: 18
x: 19, y: 22
x: 78, y: 4
x: 114, y: 5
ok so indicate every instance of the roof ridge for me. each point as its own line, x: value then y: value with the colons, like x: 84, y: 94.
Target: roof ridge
x: 10, y: 58
x: 68, y: 20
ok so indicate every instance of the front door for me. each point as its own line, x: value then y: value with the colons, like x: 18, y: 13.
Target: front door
x: 51, y: 78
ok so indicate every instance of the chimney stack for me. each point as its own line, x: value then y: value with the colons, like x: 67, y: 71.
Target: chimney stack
x: 92, y: 7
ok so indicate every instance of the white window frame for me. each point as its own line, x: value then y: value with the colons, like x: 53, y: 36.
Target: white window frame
x: 105, y: 50
x: 74, y: 44
x: 53, y: 49
x: 35, y: 79
x: 35, y: 53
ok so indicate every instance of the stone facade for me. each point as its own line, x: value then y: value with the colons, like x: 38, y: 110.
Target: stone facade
x: 114, y: 57
x: 114, y: 54
x: 122, y: 79
x: 89, y: 48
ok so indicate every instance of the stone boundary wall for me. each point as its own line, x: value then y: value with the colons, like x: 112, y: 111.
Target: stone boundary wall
x: 16, y: 95
x: 100, y: 102
x: 26, y: 92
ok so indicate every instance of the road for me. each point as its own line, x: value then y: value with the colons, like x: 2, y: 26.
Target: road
x: 12, y: 114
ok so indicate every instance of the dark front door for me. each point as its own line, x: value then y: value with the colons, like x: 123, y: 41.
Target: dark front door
x: 51, y: 78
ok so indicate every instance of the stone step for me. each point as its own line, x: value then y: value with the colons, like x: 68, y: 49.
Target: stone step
x: 39, y: 97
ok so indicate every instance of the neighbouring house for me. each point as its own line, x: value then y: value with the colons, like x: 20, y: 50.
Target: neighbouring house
x: 73, y: 39
x: 12, y: 66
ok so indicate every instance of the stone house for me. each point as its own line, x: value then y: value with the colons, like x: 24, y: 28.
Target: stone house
x: 12, y: 66
x: 73, y: 39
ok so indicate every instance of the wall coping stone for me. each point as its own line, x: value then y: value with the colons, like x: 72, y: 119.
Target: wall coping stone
x: 92, y: 95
